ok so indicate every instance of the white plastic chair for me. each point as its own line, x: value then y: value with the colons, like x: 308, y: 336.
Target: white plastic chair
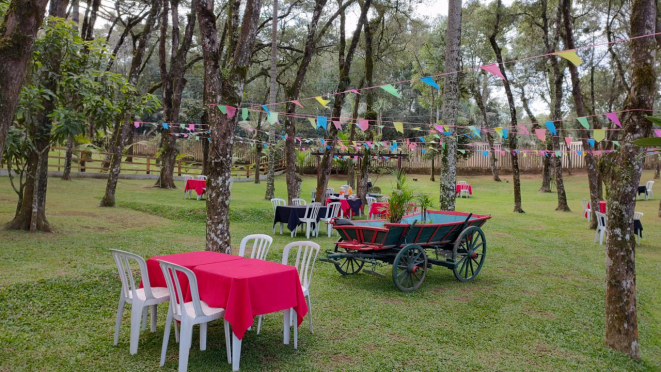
x: 332, y: 211
x: 201, y: 177
x: 345, y: 188
x: 298, y: 201
x: 310, y: 219
x: 586, y: 209
x: 189, y: 314
x: 463, y: 190
x: 462, y: 183
x: 260, y: 246
x: 276, y: 203
x: 186, y: 178
x: 370, y: 200
x: 638, y: 216
x: 330, y: 190
x: 140, y: 298
x: 601, y: 227
x: 648, y: 186
x: 306, y: 255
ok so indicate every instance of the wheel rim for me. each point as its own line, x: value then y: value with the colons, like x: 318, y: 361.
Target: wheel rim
x: 349, y: 266
x: 469, y: 254
x: 410, y: 268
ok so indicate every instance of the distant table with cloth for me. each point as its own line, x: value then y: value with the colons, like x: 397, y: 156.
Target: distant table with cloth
x: 292, y: 214
x: 638, y: 228
x: 459, y: 187
x: 602, y: 207
x: 247, y: 288
x: 200, y: 187
x: 348, y: 207
x: 642, y: 190
x: 379, y: 209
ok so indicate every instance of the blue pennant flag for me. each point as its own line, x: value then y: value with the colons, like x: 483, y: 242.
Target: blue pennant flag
x: 505, y: 132
x: 551, y: 126
x: 591, y: 141
x: 430, y: 81
x: 322, y: 121
x: 267, y: 110
x: 485, y: 153
x: 166, y: 126
x: 422, y: 139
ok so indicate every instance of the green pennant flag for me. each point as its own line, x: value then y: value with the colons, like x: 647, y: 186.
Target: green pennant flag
x: 557, y: 153
x: 244, y: 113
x: 222, y: 109
x: 273, y: 117
x: 616, y: 143
x: 462, y: 151
x: 584, y: 122
x: 313, y: 123
x: 392, y: 90
x: 182, y: 126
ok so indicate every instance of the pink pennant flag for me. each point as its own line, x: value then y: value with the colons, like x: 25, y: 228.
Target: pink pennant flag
x: 541, y: 134
x: 494, y: 69
x: 657, y: 132
x: 230, y: 111
x: 613, y: 117
x: 502, y: 152
x: 250, y: 130
x: 338, y: 124
x: 363, y: 124
x: 412, y: 145
x: 297, y: 103
x: 369, y: 144
x: 439, y: 128
x: 568, y: 141
x: 353, y: 91
x: 298, y: 139
x: 523, y: 130
x: 384, y: 144
x: 541, y: 153
x: 136, y: 124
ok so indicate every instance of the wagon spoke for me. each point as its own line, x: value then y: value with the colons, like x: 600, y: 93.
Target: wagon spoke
x: 472, y: 269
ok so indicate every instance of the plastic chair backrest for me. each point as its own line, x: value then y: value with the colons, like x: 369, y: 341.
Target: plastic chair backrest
x: 371, y: 199
x: 201, y: 177
x: 277, y: 202
x: 649, y: 185
x: 601, y: 220
x: 637, y: 215
x: 298, y: 201
x: 330, y: 189
x: 462, y: 183
x: 332, y: 210
x: 187, y: 177
x: 177, y: 300
x: 585, y: 203
x: 129, y: 287
x: 312, y: 210
x: 260, y: 246
x: 306, y: 255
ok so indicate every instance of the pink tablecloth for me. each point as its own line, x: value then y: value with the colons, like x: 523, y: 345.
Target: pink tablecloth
x: 188, y: 260
x: 345, y: 207
x: 458, y: 188
x: 379, y: 208
x: 198, y: 185
x: 248, y: 288
x: 602, y: 207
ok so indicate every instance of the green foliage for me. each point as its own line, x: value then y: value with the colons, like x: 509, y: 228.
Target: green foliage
x: 425, y: 203
x: 400, y: 198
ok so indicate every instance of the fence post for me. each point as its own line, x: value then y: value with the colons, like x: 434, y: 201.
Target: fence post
x: 82, y: 161
x: 148, y: 164
x: 179, y: 167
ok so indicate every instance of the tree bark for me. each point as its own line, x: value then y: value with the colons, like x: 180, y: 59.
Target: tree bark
x: 173, y: 83
x: 345, y: 62
x: 481, y: 98
x: 124, y: 123
x: 622, y: 173
x: 351, y: 169
x: 273, y: 93
x: 510, y: 100
x: 68, y: 157
x: 223, y: 84
x: 448, y: 176
x: 18, y: 30
x: 590, y: 162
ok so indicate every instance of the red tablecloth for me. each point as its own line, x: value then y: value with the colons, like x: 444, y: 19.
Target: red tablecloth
x: 458, y: 188
x: 248, y: 288
x: 188, y: 260
x: 345, y: 207
x: 602, y: 207
x: 379, y: 208
x: 197, y: 185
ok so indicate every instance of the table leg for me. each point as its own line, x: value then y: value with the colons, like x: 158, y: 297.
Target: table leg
x: 295, y: 329
x: 236, y: 352
x: 286, y: 317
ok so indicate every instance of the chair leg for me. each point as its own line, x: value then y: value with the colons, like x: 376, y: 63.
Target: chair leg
x: 136, y: 317
x: 295, y: 329
x: 596, y: 236
x: 118, y: 322
x: 329, y: 230
x: 166, y: 336
x: 228, y: 347
x: 176, y: 332
x: 280, y: 228
x: 259, y: 323
x: 307, y: 230
x: 184, y: 346
x: 153, y: 318
x: 203, y: 336
x: 145, y: 310
x: 307, y: 299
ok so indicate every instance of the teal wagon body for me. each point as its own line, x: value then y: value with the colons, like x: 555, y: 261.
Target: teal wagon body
x: 451, y: 239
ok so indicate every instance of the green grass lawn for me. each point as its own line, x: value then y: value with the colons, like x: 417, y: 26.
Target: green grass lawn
x: 538, y: 303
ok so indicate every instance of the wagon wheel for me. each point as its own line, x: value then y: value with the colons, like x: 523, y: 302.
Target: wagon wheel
x: 469, y: 252
x: 348, y: 266
x: 409, y: 268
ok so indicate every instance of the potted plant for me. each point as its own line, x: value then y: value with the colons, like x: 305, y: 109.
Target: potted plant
x: 425, y: 202
x: 400, y: 198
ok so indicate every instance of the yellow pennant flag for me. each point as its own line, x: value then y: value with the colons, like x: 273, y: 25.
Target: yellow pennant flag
x: 399, y: 126
x: 571, y: 56
x: 322, y: 101
x: 598, y: 134
x: 447, y: 128
x: 499, y: 130
x: 313, y: 123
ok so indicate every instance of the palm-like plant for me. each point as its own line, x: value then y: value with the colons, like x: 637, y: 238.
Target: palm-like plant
x: 300, y: 160
x: 400, y: 198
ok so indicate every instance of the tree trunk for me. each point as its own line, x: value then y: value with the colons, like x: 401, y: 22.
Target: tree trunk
x: 173, y: 84
x: 124, y: 124
x: 432, y: 178
x: 130, y: 148
x: 510, y: 100
x: 450, y: 107
x: 205, y: 144
x: 223, y: 84
x: 66, y: 175
x: 351, y: 169
x: 657, y: 167
x: 590, y: 162
x: 258, y: 148
x: 481, y: 98
x: 18, y: 30
x: 344, y: 80
x: 546, y: 170
x: 623, y: 176
x: 273, y: 93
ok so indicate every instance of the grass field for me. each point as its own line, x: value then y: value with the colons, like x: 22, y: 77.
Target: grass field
x: 538, y: 304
